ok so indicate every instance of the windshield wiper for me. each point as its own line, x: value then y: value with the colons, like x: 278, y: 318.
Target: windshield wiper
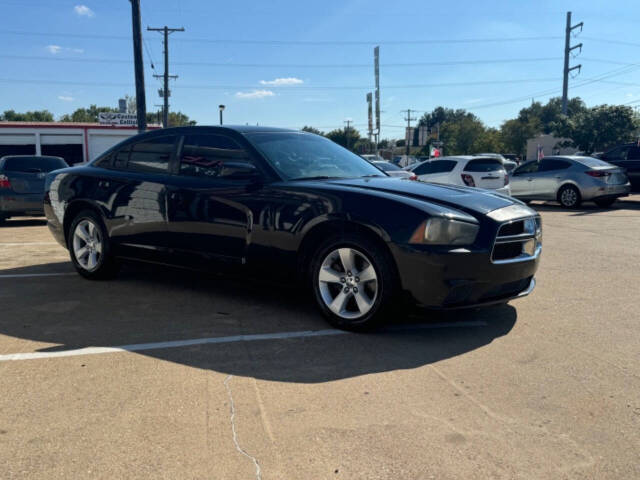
x: 319, y: 177
x: 373, y: 175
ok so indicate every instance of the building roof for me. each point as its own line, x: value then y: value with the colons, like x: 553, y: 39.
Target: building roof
x: 70, y: 125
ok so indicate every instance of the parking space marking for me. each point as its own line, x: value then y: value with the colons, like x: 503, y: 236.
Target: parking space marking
x: 27, y: 275
x: 216, y: 340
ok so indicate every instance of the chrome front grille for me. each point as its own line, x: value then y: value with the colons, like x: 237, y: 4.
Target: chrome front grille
x: 518, y: 240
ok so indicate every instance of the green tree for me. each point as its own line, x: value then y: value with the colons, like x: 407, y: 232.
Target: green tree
x: 312, y: 130
x: 599, y: 127
x: 344, y: 137
x: 462, y: 135
x: 87, y: 115
x: 176, y: 119
x: 514, y: 134
x: 490, y: 141
x: 30, y: 116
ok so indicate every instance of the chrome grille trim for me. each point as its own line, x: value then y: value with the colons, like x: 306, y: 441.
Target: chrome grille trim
x: 531, y: 231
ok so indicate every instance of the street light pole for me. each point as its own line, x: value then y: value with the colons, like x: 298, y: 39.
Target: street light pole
x: 221, y: 107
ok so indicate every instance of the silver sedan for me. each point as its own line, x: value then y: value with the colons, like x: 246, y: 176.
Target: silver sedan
x: 570, y: 180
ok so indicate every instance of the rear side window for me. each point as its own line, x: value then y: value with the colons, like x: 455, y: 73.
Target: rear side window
x: 212, y: 156
x: 33, y: 164
x: 151, y: 156
x: 442, y: 166
x: 484, y: 165
x: 551, y: 164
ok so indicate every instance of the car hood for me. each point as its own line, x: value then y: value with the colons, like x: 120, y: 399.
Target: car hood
x: 474, y: 200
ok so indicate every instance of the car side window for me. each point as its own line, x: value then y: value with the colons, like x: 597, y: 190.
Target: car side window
x: 619, y: 153
x: 151, y: 156
x: 634, y: 153
x: 213, y: 156
x: 423, y: 169
x: 552, y: 164
x: 443, y: 166
x: 531, y: 167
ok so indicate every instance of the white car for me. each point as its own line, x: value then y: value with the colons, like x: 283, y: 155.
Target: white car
x: 509, y: 165
x: 469, y: 170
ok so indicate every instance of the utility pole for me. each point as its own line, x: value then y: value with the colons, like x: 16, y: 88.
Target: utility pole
x: 347, y: 132
x: 376, y: 72
x: 370, y: 116
x: 408, y: 136
x: 141, y: 101
x: 567, y: 51
x: 165, y: 91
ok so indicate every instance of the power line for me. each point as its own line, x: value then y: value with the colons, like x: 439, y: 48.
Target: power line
x: 289, y: 65
x: 289, y: 88
x: 292, y: 42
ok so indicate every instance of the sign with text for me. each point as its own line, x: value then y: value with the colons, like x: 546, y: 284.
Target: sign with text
x: 113, y: 118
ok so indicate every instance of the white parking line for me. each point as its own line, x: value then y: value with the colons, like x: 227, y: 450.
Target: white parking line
x: 213, y: 340
x: 27, y: 275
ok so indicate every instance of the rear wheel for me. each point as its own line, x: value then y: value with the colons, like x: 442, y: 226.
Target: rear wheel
x: 605, y: 202
x: 353, y: 282
x: 569, y: 196
x: 89, y: 247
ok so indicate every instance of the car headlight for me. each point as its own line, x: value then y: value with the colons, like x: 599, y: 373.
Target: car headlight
x: 444, y: 231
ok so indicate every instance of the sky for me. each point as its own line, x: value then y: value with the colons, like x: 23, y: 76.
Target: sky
x: 291, y: 63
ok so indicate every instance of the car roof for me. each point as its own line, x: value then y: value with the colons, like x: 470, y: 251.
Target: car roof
x: 31, y: 156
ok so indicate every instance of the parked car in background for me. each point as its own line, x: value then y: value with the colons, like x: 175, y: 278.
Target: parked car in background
x: 404, y: 160
x: 22, y: 184
x: 394, y: 170
x: 509, y: 165
x: 469, y: 170
x: 628, y: 157
x: 369, y: 157
x: 570, y: 180
x: 295, y: 206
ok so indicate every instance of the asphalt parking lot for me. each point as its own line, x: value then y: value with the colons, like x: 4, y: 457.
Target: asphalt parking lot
x: 169, y: 374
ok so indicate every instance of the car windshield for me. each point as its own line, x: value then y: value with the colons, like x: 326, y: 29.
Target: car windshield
x: 33, y: 164
x: 304, y: 156
x: 592, y: 162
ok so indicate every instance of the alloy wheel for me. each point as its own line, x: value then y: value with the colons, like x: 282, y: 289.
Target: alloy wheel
x: 569, y: 197
x: 87, y: 245
x: 348, y: 283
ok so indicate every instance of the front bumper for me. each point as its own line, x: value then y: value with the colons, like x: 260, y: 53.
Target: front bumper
x: 459, y: 278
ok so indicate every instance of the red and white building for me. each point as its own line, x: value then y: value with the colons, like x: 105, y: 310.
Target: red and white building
x: 75, y: 142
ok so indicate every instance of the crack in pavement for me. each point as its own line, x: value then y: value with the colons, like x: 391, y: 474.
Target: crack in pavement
x: 233, y: 429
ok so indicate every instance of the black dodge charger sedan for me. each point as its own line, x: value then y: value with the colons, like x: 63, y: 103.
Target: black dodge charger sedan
x: 296, y: 206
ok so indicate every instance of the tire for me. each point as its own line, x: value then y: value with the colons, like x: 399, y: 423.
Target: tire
x: 569, y: 196
x: 346, y: 300
x: 605, y: 202
x: 89, y: 247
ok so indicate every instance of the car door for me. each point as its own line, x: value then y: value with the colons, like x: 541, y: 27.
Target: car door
x: 211, y: 199
x: 132, y: 188
x: 632, y: 165
x: 550, y: 176
x: 441, y: 171
x: 523, y: 180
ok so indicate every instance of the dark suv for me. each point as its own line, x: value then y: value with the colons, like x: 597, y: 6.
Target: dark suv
x: 22, y: 184
x: 628, y: 157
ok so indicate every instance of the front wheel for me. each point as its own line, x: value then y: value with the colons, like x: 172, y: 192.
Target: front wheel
x: 89, y: 247
x: 569, y: 196
x: 353, y: 282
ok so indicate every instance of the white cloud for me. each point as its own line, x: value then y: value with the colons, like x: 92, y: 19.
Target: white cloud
x: 65, y: 98
x: 83, y: 11
x: 280, y: 82
x: 255, y: 94
x: 53, y: 49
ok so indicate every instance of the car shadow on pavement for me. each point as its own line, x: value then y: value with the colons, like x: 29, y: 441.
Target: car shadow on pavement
x: 26, y: 222
x: 586, y: 208
x: 157, y: 304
